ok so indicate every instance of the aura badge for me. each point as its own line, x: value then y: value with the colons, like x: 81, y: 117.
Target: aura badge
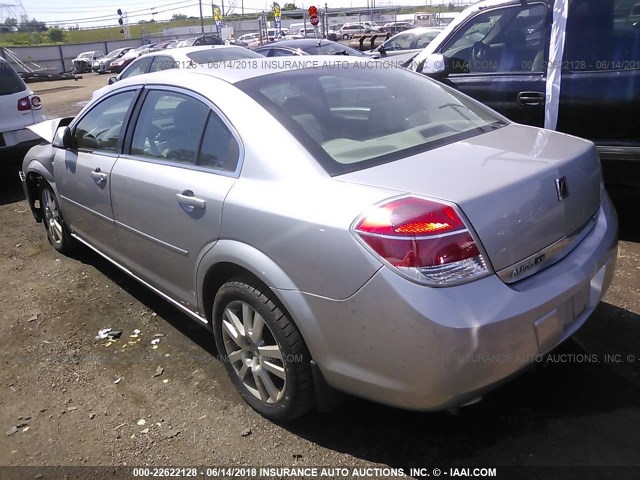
x: 562, y: 188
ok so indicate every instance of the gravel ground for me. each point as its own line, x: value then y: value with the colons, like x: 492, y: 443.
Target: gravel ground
x: 67, y: 399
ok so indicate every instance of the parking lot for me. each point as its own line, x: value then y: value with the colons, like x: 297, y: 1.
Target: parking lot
x: 67, y: 398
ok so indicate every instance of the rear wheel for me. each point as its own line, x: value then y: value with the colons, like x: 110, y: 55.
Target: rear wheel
x: 57, y: 231
x: 263, y: 351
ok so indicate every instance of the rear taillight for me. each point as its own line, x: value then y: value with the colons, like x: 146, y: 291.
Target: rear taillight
x: 424, y: 240
x: 36, y: 103
x: 24, y: 104
x: 30, y: 102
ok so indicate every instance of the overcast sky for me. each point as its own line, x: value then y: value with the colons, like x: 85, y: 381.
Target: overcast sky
x: 103, y: 12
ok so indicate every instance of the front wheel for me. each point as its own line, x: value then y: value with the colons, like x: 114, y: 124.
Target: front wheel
x: 57, y: 231
x: 263, y: 351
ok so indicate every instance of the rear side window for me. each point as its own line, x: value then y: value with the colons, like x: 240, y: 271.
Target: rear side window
x: 169, y: 127
x: 602, y: 36
x: 10, y: 81
x: 219, y: 148
x: 163, y: 62
x: 138, y: 67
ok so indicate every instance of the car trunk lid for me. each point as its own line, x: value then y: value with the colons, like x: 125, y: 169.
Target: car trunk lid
x: 523, y: 189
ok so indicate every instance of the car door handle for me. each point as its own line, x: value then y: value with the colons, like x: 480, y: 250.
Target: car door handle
x: 187, y: 199
x: 98, y: 176
x: 531, y: 99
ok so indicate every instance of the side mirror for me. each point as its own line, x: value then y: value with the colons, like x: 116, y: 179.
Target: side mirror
x: 436, y: 66
x: 63, y: 138
x: 112, y: 80
x: 382, y: 50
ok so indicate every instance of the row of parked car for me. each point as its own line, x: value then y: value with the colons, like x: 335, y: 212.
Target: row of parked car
x: 118, y: 59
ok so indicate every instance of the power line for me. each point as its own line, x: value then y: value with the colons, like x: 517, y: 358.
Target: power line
x: 151, y: 4
x: 133, y: 13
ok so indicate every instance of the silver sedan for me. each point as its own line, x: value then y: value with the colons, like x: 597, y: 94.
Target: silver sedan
x: 339, y: 226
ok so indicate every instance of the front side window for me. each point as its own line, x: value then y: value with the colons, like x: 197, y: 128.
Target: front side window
x: 169, y: 127
x: 399, y: 42
x: 504, y: 40
x: 349, y: 121
x: 101, y: 128
x: 425, y: 39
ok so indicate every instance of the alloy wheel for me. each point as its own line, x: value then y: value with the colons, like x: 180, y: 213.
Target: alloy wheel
x: 253, y: 352
x: 52, y: 218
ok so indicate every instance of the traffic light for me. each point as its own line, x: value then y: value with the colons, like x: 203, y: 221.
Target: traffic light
x: 120, y: 20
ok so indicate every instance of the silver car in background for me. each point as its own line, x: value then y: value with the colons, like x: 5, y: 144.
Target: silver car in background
x: 380, y: 234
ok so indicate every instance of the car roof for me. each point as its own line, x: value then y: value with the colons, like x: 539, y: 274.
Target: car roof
x: 231, y: 75
x: 301, y: 43
x: 183, y: 51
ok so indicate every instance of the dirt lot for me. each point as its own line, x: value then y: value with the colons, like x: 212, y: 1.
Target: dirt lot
x: 78, y: 401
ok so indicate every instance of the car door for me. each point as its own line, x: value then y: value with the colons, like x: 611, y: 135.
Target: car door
x: 168, y: 189
x: 498, y: 57
x: 82, y: 173
x: 600, y: 90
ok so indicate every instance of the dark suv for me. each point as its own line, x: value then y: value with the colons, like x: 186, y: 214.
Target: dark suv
x: 510, y: 55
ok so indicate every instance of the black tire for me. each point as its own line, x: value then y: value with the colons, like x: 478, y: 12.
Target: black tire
x: 277, y: 347
x: 54, y: 224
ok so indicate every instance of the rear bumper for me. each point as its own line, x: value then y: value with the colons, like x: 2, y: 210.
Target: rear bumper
x: 421, y: 348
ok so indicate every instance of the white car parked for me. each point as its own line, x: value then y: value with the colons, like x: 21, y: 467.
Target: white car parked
x: 181, y: 58
x: 20, y: 108
x: 84, y: 61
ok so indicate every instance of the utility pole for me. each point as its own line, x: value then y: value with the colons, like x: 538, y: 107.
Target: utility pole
x: 201, y: 18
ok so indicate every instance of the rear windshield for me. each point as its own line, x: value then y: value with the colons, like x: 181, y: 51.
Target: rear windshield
x: 221, y: 55
x: 352, y: 117
x: 10, y: 81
